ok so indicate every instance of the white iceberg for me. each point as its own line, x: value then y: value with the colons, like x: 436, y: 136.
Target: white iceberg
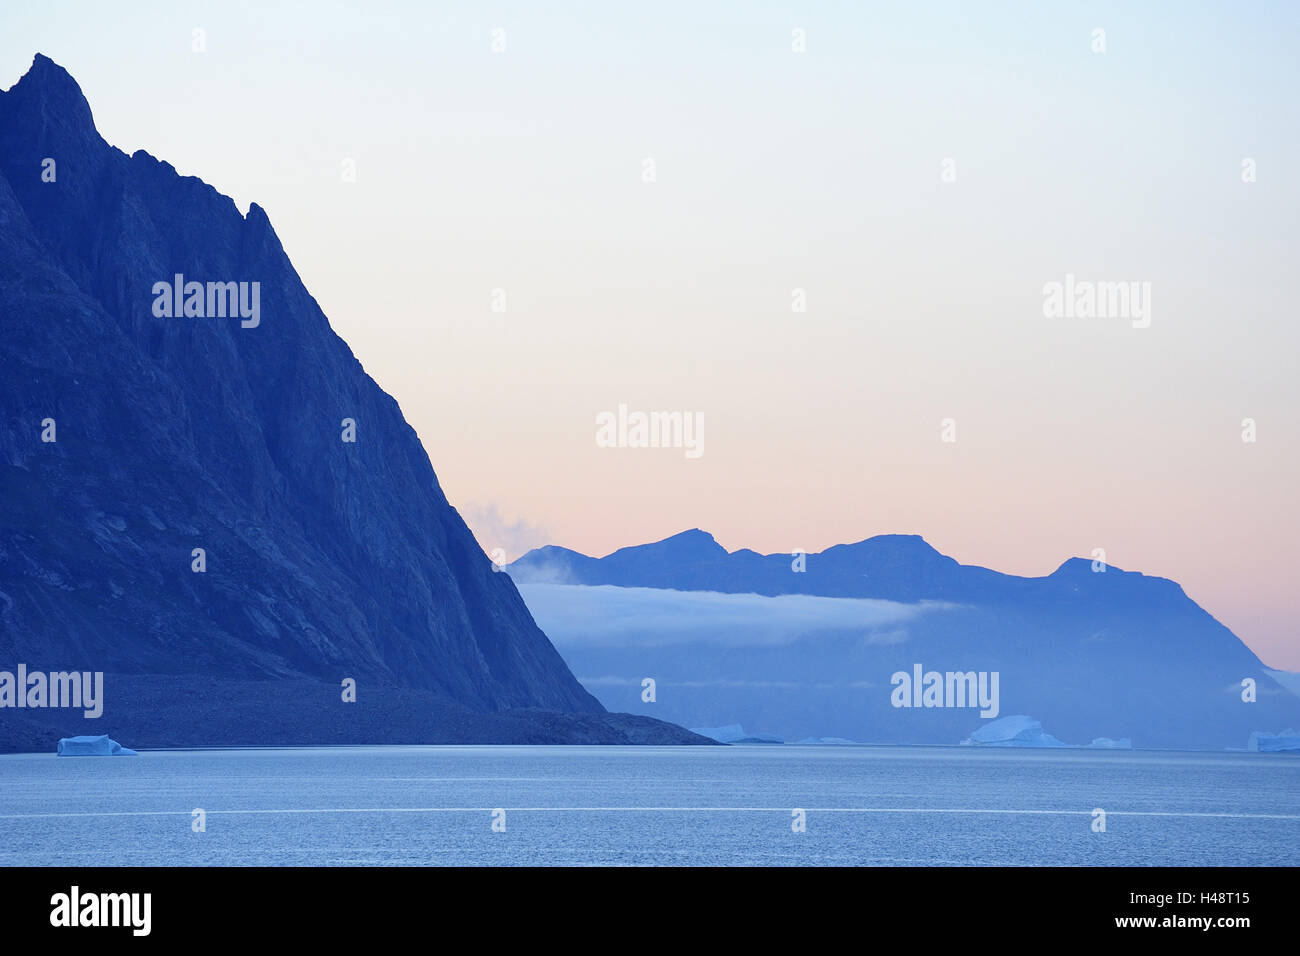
x: 1287, y: 741
x: 101, y: 746
x: 1013, y: 731
x: 1106, y: 743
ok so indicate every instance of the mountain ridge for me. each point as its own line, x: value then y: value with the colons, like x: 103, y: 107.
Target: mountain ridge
x: 805, y: 646
x: 545, y: 562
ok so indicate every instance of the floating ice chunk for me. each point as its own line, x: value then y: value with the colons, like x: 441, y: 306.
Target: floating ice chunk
x: 1016, y: 730
x: 1287, y: 741
x: 101, y: 746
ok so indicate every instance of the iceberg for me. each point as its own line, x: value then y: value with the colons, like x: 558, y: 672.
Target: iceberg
x: 101, y: 746
x: 1287, y: 741
x: 1105, y: 743
x: 1013, y: 731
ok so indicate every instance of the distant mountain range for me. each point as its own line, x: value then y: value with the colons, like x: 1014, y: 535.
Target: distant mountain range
x: 745, y: 638
x: 180, y: 497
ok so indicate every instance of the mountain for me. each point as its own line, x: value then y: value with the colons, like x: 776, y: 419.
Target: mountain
x: 745, y: 638
x: 901, y: 567
x: 134, y: 433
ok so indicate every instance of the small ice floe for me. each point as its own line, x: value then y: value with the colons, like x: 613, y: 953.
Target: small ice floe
x: 101, y: 746
x: 1286, y: 741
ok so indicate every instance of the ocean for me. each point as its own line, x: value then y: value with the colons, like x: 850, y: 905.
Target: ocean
x: 437, y: 805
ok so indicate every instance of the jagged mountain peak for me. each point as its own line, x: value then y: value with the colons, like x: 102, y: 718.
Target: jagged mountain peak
x: 691, y: 545
x: 48, y: 95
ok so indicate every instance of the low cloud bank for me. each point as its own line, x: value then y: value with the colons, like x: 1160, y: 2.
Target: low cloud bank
x: 574, y: 615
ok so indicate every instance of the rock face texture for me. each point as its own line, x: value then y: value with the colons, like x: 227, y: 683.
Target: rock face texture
x: 325, y: 559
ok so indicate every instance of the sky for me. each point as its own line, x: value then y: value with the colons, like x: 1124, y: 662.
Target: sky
x: 916, y: 176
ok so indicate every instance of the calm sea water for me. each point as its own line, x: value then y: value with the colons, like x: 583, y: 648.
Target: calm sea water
x: 653, y: 805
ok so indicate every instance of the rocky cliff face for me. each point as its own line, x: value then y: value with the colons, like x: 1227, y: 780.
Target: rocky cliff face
x: 324, y: 558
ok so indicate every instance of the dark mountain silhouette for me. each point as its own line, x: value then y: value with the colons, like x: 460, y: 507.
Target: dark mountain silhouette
x: 325, y: 559
x: 1090, y: 654
x: 897, y: 567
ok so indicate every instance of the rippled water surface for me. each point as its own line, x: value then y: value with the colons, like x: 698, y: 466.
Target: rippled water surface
x: 669, y: 805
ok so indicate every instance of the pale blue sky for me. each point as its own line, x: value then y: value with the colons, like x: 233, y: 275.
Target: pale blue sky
x: 522, y: 170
